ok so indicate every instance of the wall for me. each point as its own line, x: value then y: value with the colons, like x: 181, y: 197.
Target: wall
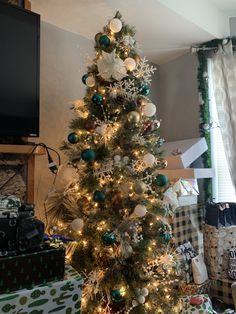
x: 64, y: 57
x: 178, y: 105
x: 232, y: 23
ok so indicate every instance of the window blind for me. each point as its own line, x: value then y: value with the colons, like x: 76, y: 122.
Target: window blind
x: 223, y: 190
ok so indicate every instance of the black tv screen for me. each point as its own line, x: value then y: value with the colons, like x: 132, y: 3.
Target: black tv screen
x: 19, y: 71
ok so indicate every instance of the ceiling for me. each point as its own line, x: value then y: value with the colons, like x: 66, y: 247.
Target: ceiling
x: 164, y: 30
x: 227, y: 6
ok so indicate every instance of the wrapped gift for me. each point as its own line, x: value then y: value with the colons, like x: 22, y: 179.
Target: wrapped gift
x: 61, y: 297
x: 27, y: 270
x: 182, y: 193
x: 9, y: 201
x: 221, y: 289
x: 187, y: 252
x: 196, y: 304
x: 217, y: 243
x: 192, y: 288
x: 187, y: 226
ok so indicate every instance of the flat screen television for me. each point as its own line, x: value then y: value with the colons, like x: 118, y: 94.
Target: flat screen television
x: 19, y: 72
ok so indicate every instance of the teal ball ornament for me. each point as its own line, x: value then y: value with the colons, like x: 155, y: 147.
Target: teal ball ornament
x: 145, y: 90
x: 88, y: 155
x: 73, y: 138
x: 108, y: 238
x: 166, y: 237
x: 97, y: 99
x: 99, y: 196
x: 104, y: 41
x: 116, y: 295
x: 84, y: 78
x: 161, y: 180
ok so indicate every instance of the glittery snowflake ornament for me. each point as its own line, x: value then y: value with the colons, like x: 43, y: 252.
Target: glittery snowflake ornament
x: 144, y: 70
x: 111, y: 67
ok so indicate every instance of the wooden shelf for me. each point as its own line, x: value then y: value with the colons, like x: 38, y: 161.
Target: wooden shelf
x: 27, y: 149
x: 21, y: 149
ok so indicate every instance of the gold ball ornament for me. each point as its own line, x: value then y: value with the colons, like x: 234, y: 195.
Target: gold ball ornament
x: 162, y: 164
x: 133, y: 117
x: 139, y: 187
x: 90, y: 81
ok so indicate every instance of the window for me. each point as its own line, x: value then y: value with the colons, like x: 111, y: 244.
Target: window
x: 223, y: 190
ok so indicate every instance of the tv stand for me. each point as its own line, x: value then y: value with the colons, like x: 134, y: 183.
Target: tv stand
x: 27, y: 150
x: 13, y: 140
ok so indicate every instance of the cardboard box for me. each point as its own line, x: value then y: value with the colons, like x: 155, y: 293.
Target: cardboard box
x: 188, y: 173
x: 187, y: 151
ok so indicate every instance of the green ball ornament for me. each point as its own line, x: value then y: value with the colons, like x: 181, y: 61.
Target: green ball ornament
x: 73, y: 138
x: 161, y: 211
x: 139, y: 187
x: 97, y: 99
x: 108, y: 238
x: 145, y: 90
x: 104, y: 41
x: 116, y: 295
x: 133, y: 117
x: 161, y: 180
x: 88, y: 155
x: 84, y: 78
x: 99, y: 196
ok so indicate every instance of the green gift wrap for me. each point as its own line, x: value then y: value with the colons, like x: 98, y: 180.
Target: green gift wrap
x: 28, y: 270
x: 61, y: 297
x: 196, y: 304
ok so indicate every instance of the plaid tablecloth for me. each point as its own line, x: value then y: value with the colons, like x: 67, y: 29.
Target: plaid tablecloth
x: 187, y: 226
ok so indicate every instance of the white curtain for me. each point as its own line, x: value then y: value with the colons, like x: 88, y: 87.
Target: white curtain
x: 224, y: 84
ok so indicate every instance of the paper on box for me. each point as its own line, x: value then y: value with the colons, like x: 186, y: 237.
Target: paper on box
x: 189, y: 150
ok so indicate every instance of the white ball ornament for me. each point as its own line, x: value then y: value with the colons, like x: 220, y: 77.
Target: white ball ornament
x: 77, y: 224
x: 141, y: 299
x: 140, y: 210
x: 134, y: 303
x: 101, y: 129
x: 144, y: 292
x: 130, y: 64
x: 117, y: 158
x: 115, y: 25
x: 126, y: 160
x: 90, y: 81
x: 149, y: 160
x: 149, y: 109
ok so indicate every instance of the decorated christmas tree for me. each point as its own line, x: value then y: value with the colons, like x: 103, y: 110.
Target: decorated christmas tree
x: 113, y: 209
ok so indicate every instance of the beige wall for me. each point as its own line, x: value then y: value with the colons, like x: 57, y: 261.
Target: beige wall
x: 178, y: 105
x: 64, y: 56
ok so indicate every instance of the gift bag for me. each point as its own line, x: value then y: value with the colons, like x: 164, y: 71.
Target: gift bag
x: 199, y: 269
x: 217, y: 243
x: 187, y: 226
x: 220, y: 214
